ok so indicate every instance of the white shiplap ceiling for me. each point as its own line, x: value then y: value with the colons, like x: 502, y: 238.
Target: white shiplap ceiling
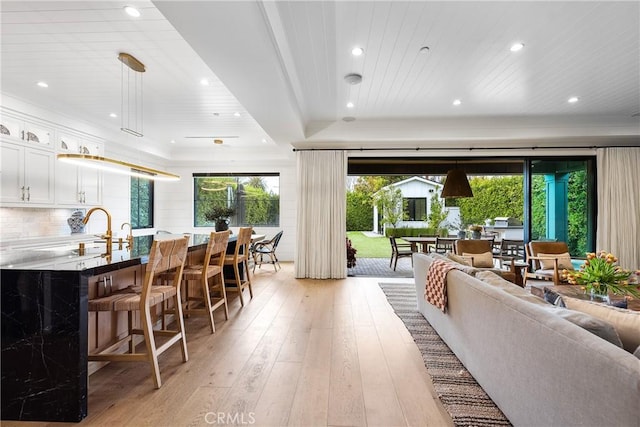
x: 281, y: 65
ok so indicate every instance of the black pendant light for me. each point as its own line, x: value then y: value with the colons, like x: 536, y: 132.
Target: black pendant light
x: 456, y: 185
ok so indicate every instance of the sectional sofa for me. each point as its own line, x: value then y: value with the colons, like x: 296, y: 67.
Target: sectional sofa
x: 539, y: 368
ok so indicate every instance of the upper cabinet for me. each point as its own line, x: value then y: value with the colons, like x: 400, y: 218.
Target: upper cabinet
x: 31, y: 175
x: 16, y: 129
x: 27, y: 175
x: 76, y: 185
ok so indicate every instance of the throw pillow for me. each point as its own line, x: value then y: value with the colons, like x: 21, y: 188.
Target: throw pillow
x: 601, y: 328
x: 460, y: 259
x: 637, y: 352
x: 626, y: 322
x: 484, y: 259
x: 564, y: 261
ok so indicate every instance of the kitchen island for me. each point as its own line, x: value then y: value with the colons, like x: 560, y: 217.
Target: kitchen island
x: 47, y: 329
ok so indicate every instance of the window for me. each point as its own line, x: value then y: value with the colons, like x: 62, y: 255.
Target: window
x: 415, y: 208
x: 141, y: 203
x: 254, y: 198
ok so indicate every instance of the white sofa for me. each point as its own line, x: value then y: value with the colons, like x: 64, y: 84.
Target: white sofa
x: 540, y: 369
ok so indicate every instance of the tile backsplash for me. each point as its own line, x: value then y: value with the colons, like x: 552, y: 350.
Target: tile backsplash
x: 19, y: 223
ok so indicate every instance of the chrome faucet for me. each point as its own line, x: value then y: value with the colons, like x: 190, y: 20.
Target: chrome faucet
x: 108, y: 235
x: 130, y: 235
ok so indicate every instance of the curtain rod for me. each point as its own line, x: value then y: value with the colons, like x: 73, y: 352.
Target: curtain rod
x: 591, y: 147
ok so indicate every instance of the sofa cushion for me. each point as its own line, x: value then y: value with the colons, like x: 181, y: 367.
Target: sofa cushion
x: 481, y: 260
x: 626, y: 322
x: 596, y: 326
x: 592, y: 324
x: 493, y: 279
x: 564, y: 261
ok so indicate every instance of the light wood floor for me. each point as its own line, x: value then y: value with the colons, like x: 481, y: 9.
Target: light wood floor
x: 301, y: 353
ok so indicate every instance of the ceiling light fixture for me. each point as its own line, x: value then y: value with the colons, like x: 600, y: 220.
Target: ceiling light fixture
x: 350, y: 105
x: 173, y: 141
x: 357, y: 51
x: 456, y: 185
x: 236, y: 114
x: 353, y: 78
x: 264, y: 140
x: 516, y: 47
x: 114, y: 115
x: 117, y: 166
x: 424, y: 49
x: 204, y: 82
x: 457, y: 102
x: 573, y: 100
x: 42, y: 84
x: 132, y: 11
x: 131, y: 94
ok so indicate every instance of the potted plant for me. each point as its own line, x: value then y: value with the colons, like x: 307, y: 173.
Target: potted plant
x: 476, y: 231
x: 219, y: 215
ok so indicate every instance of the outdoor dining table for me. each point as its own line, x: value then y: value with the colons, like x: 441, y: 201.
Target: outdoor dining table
x: 424, y: 243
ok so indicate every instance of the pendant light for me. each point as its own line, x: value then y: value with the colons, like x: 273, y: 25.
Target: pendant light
x: 456, y: 184
x: 131, y: 94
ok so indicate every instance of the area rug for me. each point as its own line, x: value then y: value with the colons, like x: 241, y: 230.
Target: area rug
x: 460, y: 394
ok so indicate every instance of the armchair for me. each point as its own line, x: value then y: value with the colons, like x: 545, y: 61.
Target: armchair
x: 546, y: 261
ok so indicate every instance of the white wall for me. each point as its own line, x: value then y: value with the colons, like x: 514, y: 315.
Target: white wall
x: 174, y: 200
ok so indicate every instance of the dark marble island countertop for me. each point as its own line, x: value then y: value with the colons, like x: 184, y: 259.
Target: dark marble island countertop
x: 92, y: 260
x: 44, y: 299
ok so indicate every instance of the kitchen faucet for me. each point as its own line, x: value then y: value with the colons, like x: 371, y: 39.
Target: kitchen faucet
x: 130, y: 235
x: 108, y: 235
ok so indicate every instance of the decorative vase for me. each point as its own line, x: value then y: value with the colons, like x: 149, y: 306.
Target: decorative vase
x: 475, y: 235
x: 462, y: 234
x: 600, y: 295
x: 75, y: 222
x: 222, y: 225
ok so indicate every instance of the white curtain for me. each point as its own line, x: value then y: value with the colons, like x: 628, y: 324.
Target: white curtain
x: 619, y: 204
x: 321, y: 233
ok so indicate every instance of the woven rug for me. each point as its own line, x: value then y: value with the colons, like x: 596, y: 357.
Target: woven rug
x: 460, y: 394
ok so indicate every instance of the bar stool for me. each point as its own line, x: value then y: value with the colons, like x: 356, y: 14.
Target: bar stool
x: 215, y: 252
x: 240, y: 257
x: 165, y: 255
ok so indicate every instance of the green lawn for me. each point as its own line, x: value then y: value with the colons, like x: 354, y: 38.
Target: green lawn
x: 370, y: 247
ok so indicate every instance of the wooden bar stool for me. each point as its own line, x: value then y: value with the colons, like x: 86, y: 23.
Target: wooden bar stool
x: 165, y: 255
x: 240, y: 257
x: 214, y: 261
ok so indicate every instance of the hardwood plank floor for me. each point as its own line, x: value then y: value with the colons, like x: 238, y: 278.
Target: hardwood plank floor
x: 300, y: 353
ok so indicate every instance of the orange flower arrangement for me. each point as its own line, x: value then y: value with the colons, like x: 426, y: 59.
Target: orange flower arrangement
x: 600, y: 275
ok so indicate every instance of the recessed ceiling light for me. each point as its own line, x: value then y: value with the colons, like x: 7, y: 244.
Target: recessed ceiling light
x: 349, y: 104
x: 173, y: 141
x: 516, y: 47
x: 132, y: 11
x: 264, y: 140
x: 204, y: 82
x: 114, y: 115
x: 236, y: 114
x: 357, y: 51
x: 573, y: 100
x: 216, y: 114
x: 457, y: 102
x: 42, y: 84
x: 424, y: 49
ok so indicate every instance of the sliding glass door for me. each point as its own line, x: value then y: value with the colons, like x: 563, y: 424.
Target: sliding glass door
x: 562, y: 202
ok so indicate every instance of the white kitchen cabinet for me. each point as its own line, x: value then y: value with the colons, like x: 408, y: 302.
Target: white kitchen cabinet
x: 77, y: 185
x: 15, y: 129
x: 27, y: 175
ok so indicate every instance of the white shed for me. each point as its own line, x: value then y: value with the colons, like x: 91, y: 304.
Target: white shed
x: 417, y: 192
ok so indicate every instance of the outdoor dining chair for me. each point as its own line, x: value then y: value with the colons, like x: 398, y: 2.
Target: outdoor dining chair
x: 266, y: 248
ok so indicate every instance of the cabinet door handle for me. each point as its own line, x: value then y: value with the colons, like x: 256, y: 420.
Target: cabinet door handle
x: 28, y: 194
x: 22, y: 198
x: 84, y: 197
x: 22, y: 134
